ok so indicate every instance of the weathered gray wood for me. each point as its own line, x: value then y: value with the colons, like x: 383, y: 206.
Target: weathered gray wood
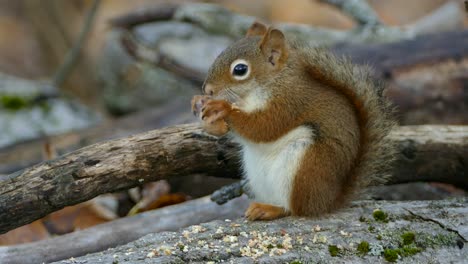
x: 121, y: 231
x: 431, y: 153
x: 219, y: 20
x: 182, y: 150
x: 438, y: 227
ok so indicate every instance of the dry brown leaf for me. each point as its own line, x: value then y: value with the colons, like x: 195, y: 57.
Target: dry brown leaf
x: 29, y: 233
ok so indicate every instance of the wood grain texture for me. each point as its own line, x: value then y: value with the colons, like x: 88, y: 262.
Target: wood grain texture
x: 432, y: 153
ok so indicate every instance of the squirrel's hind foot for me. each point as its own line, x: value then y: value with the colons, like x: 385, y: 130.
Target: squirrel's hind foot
x: 261, y: 211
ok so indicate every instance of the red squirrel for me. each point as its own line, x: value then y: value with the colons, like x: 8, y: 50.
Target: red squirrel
x: 313, y: 128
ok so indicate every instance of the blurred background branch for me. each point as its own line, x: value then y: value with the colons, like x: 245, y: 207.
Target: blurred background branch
x: 73, y: 54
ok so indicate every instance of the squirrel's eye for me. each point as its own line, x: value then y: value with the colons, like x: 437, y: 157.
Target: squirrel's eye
x: 240, y: 69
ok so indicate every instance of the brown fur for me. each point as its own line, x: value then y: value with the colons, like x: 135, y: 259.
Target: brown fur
x: 256, y: 29
x: 307, y: 86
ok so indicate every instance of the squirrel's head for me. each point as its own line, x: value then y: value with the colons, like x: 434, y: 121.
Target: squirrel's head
x: 247, y: 63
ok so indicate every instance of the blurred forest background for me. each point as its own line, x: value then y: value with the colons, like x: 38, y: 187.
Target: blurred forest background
x: 108, y: 93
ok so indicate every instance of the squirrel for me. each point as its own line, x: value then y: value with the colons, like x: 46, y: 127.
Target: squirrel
x: 313, y: 128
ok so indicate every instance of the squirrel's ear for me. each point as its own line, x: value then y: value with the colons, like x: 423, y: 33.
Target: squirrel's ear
x: 256, y: 29
x: 273, y: 46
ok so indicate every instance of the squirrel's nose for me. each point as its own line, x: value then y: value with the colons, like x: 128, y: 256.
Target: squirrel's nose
x: 208, y: 89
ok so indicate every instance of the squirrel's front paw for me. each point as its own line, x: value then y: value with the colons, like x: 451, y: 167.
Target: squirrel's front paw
x: 215, y: 110
x: 216, y: 128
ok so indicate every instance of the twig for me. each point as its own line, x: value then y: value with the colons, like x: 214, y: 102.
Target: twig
x: 72, y: 56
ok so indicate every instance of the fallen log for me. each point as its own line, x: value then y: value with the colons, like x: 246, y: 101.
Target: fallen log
x: 182, y: 150
x: 410, y: 232
x: 122, y: 231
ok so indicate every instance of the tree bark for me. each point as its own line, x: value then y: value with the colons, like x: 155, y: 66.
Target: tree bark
x: 412, y: 232
x: 431, y: 153
x: 182, y: 150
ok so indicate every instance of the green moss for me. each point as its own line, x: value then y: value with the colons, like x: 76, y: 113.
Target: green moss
x: 13, y: 102
x: 379, y: 237
x: 408, y: 238
x: 390, y: 255
x: 279, y: 245
x: 380, y: 216
x: 409, y: 251
x: 270, y: 246
x: 181, y: 247
x: 371, y: 228
x: 295, y: 262
x: 362, y: 219
x: 334, y: 250
x: 363, y: 248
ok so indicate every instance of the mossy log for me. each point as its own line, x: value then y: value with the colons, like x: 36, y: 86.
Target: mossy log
x: 367, y: 232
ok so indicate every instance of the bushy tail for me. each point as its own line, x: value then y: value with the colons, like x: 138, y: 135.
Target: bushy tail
x: 374, y: 112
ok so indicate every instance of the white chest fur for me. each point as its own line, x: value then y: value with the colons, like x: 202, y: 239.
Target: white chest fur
x: 271, y: 167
